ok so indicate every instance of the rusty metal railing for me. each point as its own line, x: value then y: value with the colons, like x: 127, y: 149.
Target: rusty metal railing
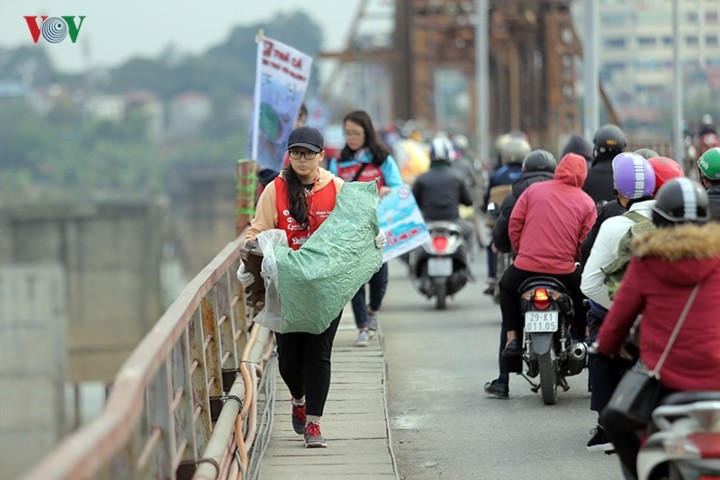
x: 198, y: 363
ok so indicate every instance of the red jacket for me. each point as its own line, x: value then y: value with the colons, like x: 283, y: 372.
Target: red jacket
x: 667, y: 264
x: 551, y: 219
x: 320, y: 202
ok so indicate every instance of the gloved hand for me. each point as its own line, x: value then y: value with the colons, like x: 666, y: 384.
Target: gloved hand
x: 246, y: 278
x: 380, y: 240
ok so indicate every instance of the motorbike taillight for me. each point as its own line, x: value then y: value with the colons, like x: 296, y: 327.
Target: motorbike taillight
x: 440, y: 243
x: 541, y: 299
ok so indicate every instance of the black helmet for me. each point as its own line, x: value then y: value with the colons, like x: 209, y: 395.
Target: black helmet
x: 681, y: 200
x: 609, y: 139
x: 539, y: 161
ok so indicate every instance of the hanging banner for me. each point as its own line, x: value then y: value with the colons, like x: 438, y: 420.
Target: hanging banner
x: 401, y: 222
x: 282, y: 78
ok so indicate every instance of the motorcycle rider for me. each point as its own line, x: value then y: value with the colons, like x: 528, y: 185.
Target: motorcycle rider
x: 538, y: 166
x: 577, y: 144
x: 709, y: 173
x: 667, y: 264
x: 439, y: 191
x: 609, y: 140
x: 647, y: 153
x: 513, y: 153
x: 664, y: 168
x: 707, y: 136
x: 634, y: 180
x: 547, y: 226
x: 464, y: 165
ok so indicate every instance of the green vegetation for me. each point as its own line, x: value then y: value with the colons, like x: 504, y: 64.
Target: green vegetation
x: 64, y: 149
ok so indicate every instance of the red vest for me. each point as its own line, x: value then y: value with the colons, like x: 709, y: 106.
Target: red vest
x: 320, y: 204
x: 369, y: 173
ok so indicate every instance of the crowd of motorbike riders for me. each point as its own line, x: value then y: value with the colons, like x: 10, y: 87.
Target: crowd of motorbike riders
x: 567, y: 219
x: 570, y: 219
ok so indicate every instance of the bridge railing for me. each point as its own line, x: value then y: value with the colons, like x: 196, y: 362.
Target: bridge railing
x: 198, y: 364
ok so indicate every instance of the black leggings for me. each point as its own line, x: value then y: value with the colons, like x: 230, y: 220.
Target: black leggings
x: 304, y: 363
x: 510, y: 297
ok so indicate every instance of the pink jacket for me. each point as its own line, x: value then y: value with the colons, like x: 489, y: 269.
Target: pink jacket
x: 551, y: 219
x: 666, y: 266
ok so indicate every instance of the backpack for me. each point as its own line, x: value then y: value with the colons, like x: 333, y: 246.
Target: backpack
x: 497, y: 195
x: 615, y: 270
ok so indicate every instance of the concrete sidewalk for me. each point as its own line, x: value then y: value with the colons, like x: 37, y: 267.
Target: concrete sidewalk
x: 354, y: 424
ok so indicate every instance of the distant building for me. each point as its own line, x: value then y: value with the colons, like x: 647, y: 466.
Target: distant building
x: 12, y: 89
x: 636, y: 47
x: 105, y: 107
x: 188, y: 113
x: 149, y: 105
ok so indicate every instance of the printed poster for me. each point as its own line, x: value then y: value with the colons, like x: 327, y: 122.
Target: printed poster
x: 401, y: 222
x: 282, y: 78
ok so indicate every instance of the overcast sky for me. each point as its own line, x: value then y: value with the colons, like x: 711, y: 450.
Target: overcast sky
x: 116, y: 30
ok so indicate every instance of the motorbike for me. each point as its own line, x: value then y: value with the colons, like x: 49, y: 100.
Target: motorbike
x: 684, y: 439
x: 549, y: 349
x: 439, y: 268
x: 502, y: 259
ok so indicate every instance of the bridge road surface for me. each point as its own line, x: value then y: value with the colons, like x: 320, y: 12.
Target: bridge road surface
x: 442, y: 423
x: 425, y: 382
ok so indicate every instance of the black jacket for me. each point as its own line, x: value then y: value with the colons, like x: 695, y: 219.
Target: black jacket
x: 714, y: 195
x: 500, y: 236
x: 608, y: 210
x: 439, y: 191
x: 599, y: 182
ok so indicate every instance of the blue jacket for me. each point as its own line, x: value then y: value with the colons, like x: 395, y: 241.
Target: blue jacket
x: 505, y: 175
x: 389, y: 168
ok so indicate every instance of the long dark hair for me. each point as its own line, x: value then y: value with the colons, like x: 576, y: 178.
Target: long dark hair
x: 379, y: 151
x: 297, y: 198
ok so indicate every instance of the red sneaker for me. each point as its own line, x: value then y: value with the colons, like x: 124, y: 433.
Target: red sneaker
x: 313, y: 437
x: 298, y: 418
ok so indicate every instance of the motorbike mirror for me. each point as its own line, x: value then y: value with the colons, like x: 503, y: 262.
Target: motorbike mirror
x: 493, y: 210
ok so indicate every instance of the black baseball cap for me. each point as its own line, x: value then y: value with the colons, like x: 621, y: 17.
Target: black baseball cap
x: 307, y: 137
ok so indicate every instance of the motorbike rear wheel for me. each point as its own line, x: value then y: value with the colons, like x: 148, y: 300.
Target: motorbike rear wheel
x: 674, y: 472
x: 548, y: 377
x: 440, y: 296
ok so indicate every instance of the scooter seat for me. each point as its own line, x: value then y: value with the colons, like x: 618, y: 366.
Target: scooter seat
x: 542, y: 281
x: 443, y: 225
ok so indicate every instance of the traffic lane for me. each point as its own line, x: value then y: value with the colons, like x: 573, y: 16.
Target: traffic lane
x: 443, y: 424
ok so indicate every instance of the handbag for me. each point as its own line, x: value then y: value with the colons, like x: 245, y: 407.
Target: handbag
x: 638, y: 392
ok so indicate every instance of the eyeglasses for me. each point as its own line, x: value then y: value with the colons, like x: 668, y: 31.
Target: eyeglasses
x: 297, y: 155
x: 354, y: 133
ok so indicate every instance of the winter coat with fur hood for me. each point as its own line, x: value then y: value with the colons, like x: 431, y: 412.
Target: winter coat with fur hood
x: 667, y: 263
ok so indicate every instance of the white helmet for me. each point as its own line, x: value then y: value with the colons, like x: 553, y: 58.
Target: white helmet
x: 441, y: 150
x: 461, y: 141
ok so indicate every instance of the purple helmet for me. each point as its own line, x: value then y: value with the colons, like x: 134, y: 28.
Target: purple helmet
x: 633, y: 175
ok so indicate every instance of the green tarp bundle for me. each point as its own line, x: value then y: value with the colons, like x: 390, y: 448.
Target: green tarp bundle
x: 318, y: 280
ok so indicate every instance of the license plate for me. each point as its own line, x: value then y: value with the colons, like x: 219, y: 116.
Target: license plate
x: 439, y: 267
x: 541, y: 322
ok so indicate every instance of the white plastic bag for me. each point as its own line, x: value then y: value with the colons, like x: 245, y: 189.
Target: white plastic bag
x: 271, y: 314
